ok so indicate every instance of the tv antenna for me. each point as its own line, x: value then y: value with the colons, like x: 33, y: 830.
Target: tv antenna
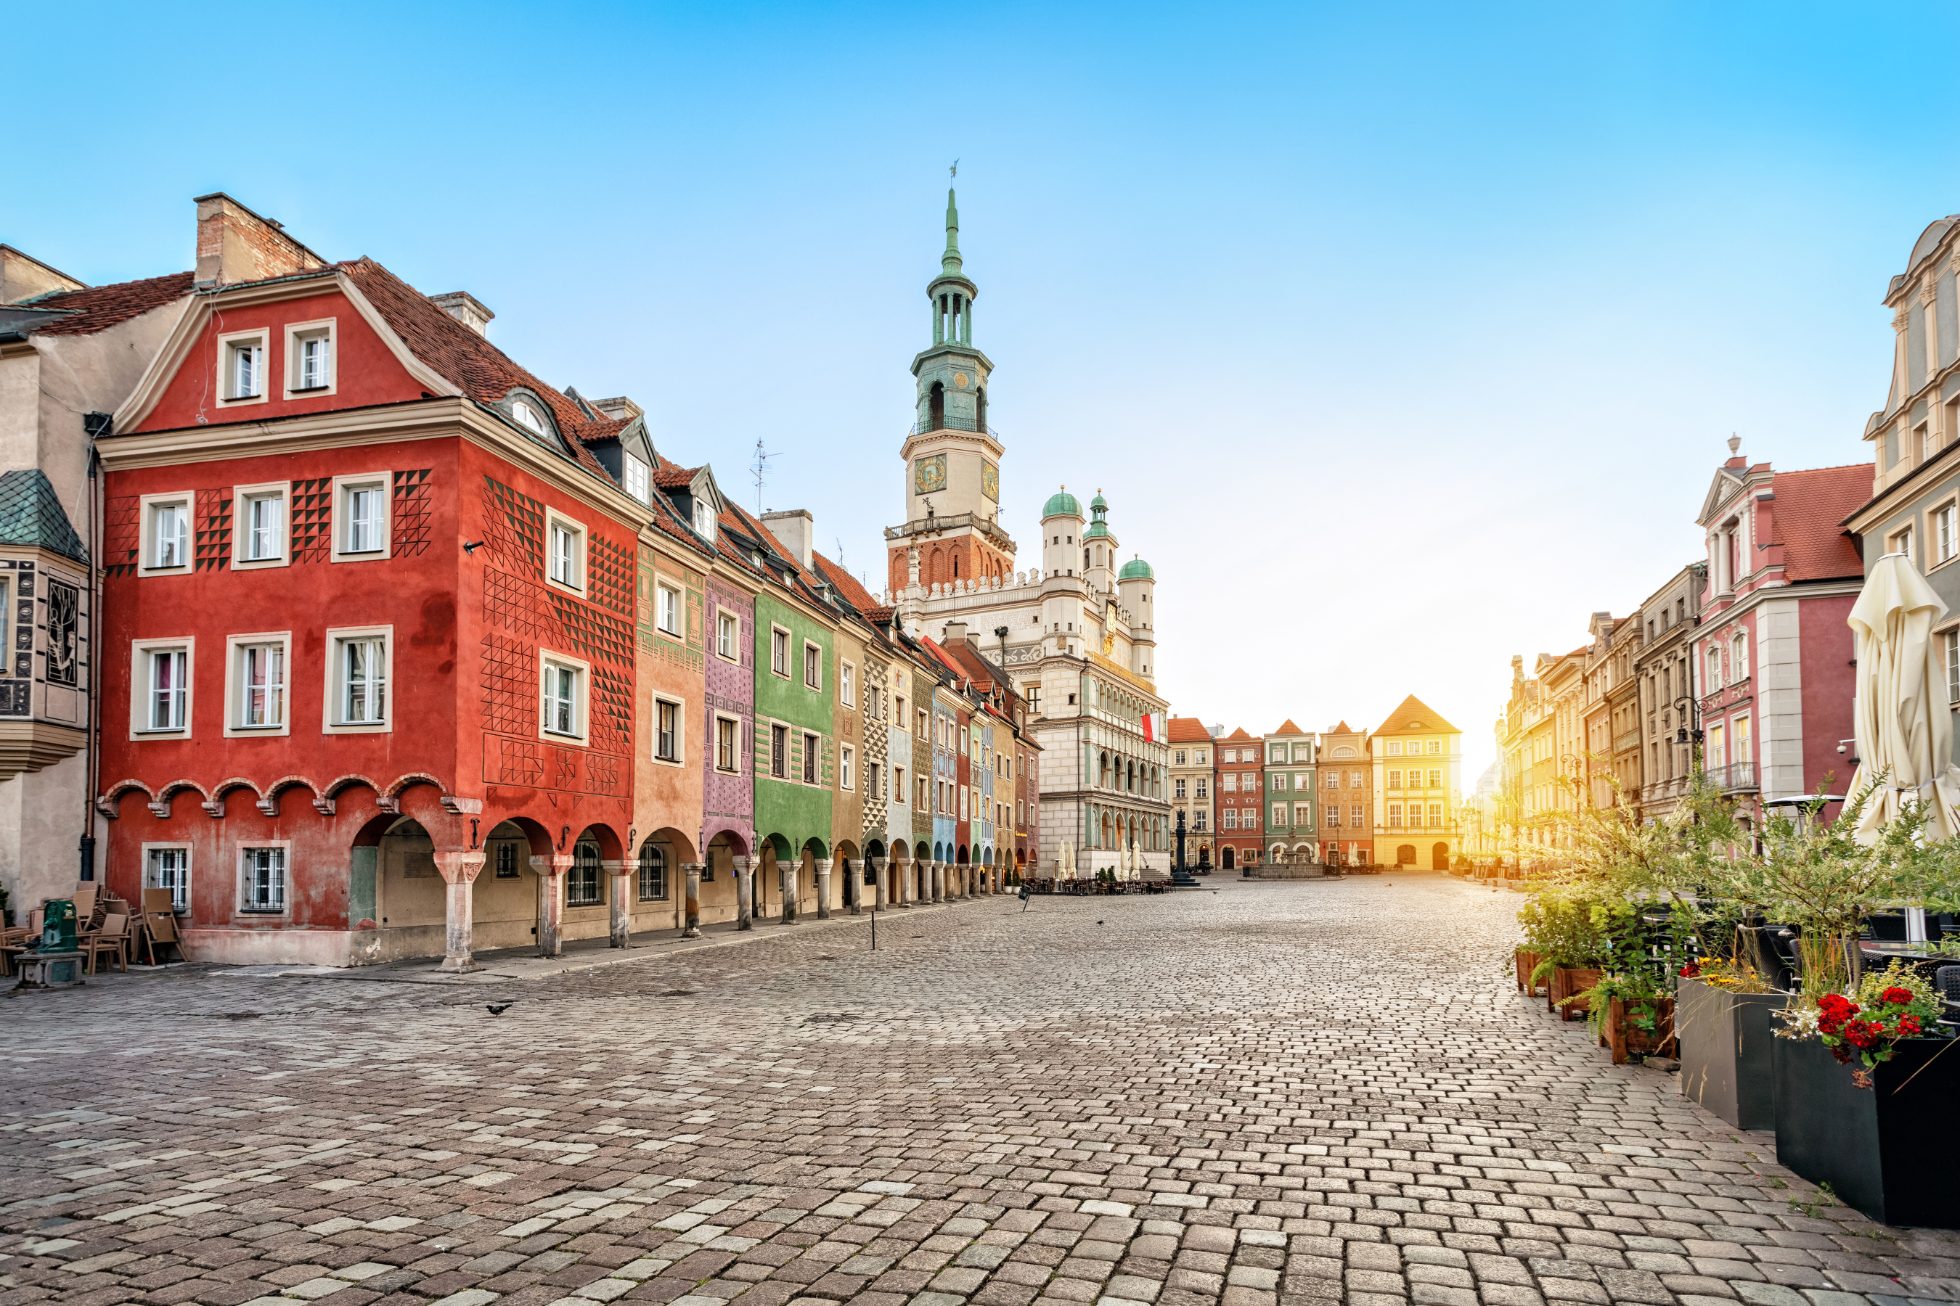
x: 758, y: 472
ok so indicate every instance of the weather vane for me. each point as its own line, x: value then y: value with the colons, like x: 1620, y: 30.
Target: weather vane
x: 954, y: 171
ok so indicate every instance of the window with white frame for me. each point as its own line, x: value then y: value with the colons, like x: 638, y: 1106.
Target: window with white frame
x: 1279, y: 813
x: 1394, y: 779
x: 359, y: 663
x: 1946, y: 519
x: 1951, y: 648
x: 258, y: 532
x: 166, y: 532
x: 1354, y: 813
x: 161, y: 699
x: 310, y: 358
x: 1435, y: 779
x: 728, y: 636
x: 1229, y: 819
x: 779, y: 652
x: 653, y: 873
x: 168, y: 866
x: 241, y: 367
x: 1900, y: 541
x: 666, y: 730
x: 667, y: 608
x: 847, y: 684
x: 728, y: 753
x: 639, y: 479
x: 812, y: 752
x: 564, y: 552
x: 812, y: 666
x: 262, y: 878
x: 529, y: 417
x: 1714, y: 669
x: 846, y: 767
x: 874, y: 778
x: 258, y: 683
x: 563, y: 710
x: 779, y: 751
x: 360, y: 528
x: 704, y: 518
x: 1279, y: 783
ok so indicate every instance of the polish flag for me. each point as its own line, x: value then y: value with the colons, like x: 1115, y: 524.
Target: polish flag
x: 1152, y: 729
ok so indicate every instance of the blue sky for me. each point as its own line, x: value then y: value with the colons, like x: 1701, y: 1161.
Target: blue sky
x: 1400, y: 337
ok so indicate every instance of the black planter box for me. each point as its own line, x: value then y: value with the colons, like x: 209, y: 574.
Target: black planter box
x: 1727, y: 1050
x: 1881, y: 1149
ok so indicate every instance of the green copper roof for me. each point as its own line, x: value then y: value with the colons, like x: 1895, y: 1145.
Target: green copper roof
x: 1098, y: 530
x: 1062, y: 504
x: 1099, y: 501
x: 31, y: 516
x: 1136, y: 569
x: 949, y: 263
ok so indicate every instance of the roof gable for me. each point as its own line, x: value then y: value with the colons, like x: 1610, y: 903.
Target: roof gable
x: 1413, y: 716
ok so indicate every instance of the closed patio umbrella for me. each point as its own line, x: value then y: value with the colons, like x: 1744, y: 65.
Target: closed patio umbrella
x: 1900, y: 716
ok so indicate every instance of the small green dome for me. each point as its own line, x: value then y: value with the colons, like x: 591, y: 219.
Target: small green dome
x: 1097, y: 531
x: 1136, y: 569
x: 1099, y: 501
x: 1061, y: 504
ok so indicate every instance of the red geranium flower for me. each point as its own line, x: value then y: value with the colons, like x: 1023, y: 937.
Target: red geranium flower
x: 1691, y: 970
x: 1897, y: 996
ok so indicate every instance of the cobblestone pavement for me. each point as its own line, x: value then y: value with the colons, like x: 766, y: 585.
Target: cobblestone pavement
x: 1299, y: 1092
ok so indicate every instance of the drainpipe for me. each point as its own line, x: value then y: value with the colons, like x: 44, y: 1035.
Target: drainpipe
x: 94, y: 426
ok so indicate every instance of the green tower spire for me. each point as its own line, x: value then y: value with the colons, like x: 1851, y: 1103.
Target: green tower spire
x: 949, y: 265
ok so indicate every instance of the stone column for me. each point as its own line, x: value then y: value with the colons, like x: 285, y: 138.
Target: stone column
x: 939, y: 882
x: 789, y: 871
x: 823, y: 888
x: 878, y: 865
x: 619, y: 904
x: 692, y: 928
x: 459, y: 871
x: 551, y: 901
x: 744, y: 868
x: 854, y: 885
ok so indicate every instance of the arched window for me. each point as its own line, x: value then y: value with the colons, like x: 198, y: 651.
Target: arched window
x: 936, y: 406
x: 980, y: 410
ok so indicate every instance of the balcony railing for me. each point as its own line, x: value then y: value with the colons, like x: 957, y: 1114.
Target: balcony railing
x: 953, y: 422
x: 1733, y: 778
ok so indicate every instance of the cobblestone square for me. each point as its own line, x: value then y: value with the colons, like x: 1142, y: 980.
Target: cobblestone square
x: 1283, y: 1092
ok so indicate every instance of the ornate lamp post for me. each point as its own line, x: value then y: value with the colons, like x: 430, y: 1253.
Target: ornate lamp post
x: 1180, y: 873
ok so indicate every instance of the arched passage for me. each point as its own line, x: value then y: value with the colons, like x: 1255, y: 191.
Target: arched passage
x: 720, y: 899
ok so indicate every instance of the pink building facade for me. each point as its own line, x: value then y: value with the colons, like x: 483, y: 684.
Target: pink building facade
x: 1772, y: 656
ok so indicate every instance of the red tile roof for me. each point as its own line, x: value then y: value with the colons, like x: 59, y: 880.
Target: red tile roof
x: 100, y: 307
x: 1414, y: 715
x: 1341, y: 729
x: 1239, y: 734
x: 483, y: 372
x: 1188, y: 730
x: 1805, y: 519
x: 1288, y: 728
x: 846, y: 584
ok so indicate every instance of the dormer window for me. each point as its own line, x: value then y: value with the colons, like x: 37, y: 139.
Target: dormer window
x: 639, y: 479
x: 704, y: 518
x: 528, y: 416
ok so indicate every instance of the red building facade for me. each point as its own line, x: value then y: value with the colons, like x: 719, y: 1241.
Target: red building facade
x: 1240, y: 797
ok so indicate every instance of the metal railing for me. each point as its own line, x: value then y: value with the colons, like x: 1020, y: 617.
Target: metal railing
x: 953, y: 422
x: 1734, y: 777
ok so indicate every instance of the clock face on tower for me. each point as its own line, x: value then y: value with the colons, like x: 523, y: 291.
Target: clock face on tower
x: 990, y: 481
x: 929, y: 474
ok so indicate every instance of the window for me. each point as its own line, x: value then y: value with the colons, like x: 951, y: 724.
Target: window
x: 1302, y: 814
x: 1394, y: 779
x: 666, y: 730
x: 1229, y: 820
x: 1901, y: 542
x: 360, y: 517
x: 1714, y: 669
x: 899, y: 791
x: 161, y: 698
x: 1435, y: 779
x: 1333, y: 814
x: 168, y: 866
x: 1435, y: 816
x: 704, y: 518
x: 1394, y: 815
x: 585, y: 882
x: 811, y: 752
x: 653, y: 873
x: 309, y: 358
x: 1950, y: 646
x: 1034, y: 699
x: 1178, y: 759
x: 812, y: 666
x: 565, y: 552
x: 847, y: 684
x: 727, y: 754
x: 728, y: 631
x: 1279, y: 784
x: 779, y: 652
x: 898, y: 714
x: 874, y: 777
x: 1944, y: 528
x: 846, y: 763
x: 1435, y: 747
x: 1229, y: 783
x: 262, y: 878
x: 1739, y: 656
x: 922, y: 723
x: 639, y: 483
x: 358, y: 666
x: 1204, y: 787
x: 507, y: 861
x: 1279, y: 813
x: 528, y: 416
x: 564, y: 712
x: 667, y: 608
x: 1354, y: 779
x: 779, y: 751
x: 258, y: 684
x: 1354, y: 814
x: 241, y: 367
x: 1177, y: 789
x: 166, y: 533
x: 922, y: 798
x: 259, y: 526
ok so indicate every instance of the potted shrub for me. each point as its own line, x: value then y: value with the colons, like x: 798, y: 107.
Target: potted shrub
x: 1725, y: 1039
x: 1863, y: 1094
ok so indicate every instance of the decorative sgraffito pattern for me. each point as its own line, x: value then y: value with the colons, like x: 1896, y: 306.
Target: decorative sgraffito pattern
x: 21, y: 664
x: 526, y: 617
x: 212, y: 548
x: 312, y: 519
x: 411, y: 507
x: 64, y: 650
x: 121, y: 530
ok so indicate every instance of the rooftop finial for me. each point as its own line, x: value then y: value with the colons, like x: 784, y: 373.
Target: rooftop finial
x: 950, y: 262
x: 1735, y: 444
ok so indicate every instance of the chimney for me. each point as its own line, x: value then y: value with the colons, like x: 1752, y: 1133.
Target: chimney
x: 235, y: 245
x: 955, y: 633
x: 24, y: 277
x: 465, y: 308
x: 619, y: 408
x: 795, y: 528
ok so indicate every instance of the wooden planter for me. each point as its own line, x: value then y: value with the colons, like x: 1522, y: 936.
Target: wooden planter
x: 1627, y: 1041
x: 1526, y: 962
x: 1727, y: 1042
x: 1878, y: 1148
x: 1567, y: 983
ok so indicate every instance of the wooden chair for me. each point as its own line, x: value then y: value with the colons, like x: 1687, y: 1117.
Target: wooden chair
x: 113, y: 938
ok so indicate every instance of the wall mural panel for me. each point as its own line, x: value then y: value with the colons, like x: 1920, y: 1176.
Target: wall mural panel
x: 64, y: 634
